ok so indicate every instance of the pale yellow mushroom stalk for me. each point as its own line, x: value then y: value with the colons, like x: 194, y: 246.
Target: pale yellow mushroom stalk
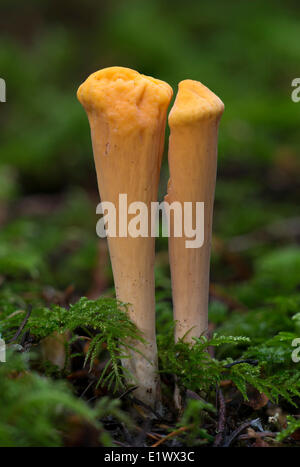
x: 127, y: 115
x: 194, y: 121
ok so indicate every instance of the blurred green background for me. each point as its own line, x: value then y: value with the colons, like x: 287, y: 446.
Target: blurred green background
x: 246, y: 52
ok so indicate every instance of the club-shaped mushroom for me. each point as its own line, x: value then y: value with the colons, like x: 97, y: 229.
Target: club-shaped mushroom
x: 194, y: 121
x: 127, y: 116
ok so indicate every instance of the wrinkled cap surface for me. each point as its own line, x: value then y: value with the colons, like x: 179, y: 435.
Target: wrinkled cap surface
x: 194, y: 102
x: 124, y: 97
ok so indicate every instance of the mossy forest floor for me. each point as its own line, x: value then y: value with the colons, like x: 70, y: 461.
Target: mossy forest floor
x: 244, y: 391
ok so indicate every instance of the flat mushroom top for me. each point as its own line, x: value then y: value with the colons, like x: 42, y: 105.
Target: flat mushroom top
x: 124, y: 97
x: 194, y: 102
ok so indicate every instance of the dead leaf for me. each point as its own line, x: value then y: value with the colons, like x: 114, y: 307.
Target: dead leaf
x: 257, y: 400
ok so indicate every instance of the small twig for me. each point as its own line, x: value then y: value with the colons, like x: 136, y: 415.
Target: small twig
x: 237, y: 362
x: 15, y: 313
x: 222, y: 419
x: 235, y: 433
x: 155, y: 436
x: 86, y: 389
x: 22, y: 325
x: 128, y: 391
x: 25, y: 337
x: 171, y: 435
x: 91, y: 399
x: 123, y: 445
x: 127, y: 435
x: 142, y: 404
x: 263, y: 434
